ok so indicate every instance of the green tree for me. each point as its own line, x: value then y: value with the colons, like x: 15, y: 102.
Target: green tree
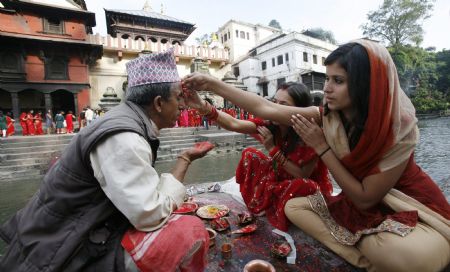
x: 205, y: 39
x: 321, y: 34
x: 398, y: 21
x: 275, y: 24
x: 443, y: 82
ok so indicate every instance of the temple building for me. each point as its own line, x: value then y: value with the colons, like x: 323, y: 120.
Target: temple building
x: 45, y: 55
x: 147, y: 25
x: 134, y: 32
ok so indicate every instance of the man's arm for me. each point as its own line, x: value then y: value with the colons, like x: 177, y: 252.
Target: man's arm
x: 122, y: 165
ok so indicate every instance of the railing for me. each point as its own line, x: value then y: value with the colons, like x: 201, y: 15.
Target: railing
x: 192, y: 51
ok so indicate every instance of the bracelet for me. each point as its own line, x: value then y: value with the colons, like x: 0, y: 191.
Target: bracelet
x: 183, y: 157
x: 274, y: 151
x: 323, y: 153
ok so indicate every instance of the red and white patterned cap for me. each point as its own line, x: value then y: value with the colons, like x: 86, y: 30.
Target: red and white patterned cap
x: 152, y: 68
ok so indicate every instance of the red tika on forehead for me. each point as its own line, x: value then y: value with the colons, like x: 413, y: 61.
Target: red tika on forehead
x: 153, y: 68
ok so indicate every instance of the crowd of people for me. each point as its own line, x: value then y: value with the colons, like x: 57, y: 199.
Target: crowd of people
x: 191, y: 117
x: 36, y: 123
x: 109, y: 209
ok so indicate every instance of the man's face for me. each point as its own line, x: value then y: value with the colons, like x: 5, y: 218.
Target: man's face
x: 171, y: 108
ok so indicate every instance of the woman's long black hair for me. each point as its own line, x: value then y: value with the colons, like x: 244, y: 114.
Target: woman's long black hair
x: 353, y: 58
x: 302, y: 98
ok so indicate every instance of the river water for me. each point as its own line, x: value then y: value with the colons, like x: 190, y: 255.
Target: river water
x: 432, y: 154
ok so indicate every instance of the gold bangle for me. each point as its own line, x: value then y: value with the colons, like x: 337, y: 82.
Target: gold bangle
x: 183, y: 157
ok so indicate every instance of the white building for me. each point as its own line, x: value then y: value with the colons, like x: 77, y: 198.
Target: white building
x: 239, y: 37
x: 286, y: 57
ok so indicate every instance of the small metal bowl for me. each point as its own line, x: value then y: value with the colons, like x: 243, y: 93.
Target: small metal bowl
x: 259, y: 266
x: 212, y: 236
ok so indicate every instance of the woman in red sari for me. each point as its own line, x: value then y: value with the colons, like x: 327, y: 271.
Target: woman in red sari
x: 38, y: 123
x: 23, y: 123
x: 390, y: 216
x: 69, y: 122
x: 30, y: 123
x: 10, y: 125
x: 292, y: 169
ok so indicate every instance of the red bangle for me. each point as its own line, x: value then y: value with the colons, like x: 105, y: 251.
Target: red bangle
x: 213, y: 115
x: 274, y: 151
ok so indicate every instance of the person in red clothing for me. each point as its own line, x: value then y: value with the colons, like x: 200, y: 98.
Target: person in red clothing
x: 23, y: 123
x: 38, y: 123
x: 390, y: 215
x: 69, y: 121
x: 10, y: 125
x: 30, y: 123
x: 292, y: 169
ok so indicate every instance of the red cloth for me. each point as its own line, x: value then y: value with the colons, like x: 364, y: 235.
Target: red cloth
x: 23, y: 123
x: 30, y: 124
x: 170, y: 248
x: 267, y: 187
x: 38, y: 124
x: 69, y: 123
x: 10, y: 126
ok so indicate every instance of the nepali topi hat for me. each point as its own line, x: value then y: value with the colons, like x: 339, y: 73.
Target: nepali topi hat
x: 153, y: 68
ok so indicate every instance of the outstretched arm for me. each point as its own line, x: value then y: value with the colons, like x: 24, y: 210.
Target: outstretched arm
x: 249, y: 101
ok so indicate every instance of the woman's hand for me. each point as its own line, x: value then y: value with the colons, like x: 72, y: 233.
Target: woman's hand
x: 266, y: 137
x: 197, y: 82
x: 199, y: 150
x: 192, y: 99
x: 310, y: 133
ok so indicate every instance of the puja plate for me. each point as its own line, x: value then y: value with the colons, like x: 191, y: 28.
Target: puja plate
x: 220, y: 224
x: 212, y: 211
x: 186, y: 207
x: 245, y: 230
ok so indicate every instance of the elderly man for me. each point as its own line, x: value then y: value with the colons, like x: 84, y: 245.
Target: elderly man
x: 103, y: 194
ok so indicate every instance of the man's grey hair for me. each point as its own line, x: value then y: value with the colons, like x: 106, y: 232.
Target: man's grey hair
x: 145, y: 94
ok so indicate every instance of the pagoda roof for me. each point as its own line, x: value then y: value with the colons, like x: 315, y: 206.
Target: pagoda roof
x: 149, y: 14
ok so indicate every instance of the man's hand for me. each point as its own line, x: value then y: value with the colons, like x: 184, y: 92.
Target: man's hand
x: 199, y: 150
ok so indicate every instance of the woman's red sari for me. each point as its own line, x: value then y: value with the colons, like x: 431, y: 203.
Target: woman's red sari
x: 69, y: 122
x: 38, y: 124
x: 267, y: 187
x: 30, y: 124
x: 23, y: 123
x: 10, y: 126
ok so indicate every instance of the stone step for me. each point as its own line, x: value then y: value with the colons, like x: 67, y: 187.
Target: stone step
x: 23, y: 178
x: 20, y: 174
x: 177, y: 137
x: 38, y: 155
x: 23, y: 167
x: 171, y: 146
x: 25, y: 150
x: 34, y: 139
x: 37, y: 143
x: 26, y: 161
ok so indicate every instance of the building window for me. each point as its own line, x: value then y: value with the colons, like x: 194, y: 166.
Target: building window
x: 225, y: 38
x: 265, y: 89
x: 305, y: 57
x: 280, y: 59
x: 281, y: 81
x: 56, y: 68
x: 221, y: 39
x: 237, y: 33
x: 264, y: 65
x: 273, y: 62
x: 53, y: 25
x: 248, y: 36
x: 315, y: 59
x: 236, y: 71
x: 323, y: 61
x: 242, y: 35
x: 229, y: 35
x: 286, y: 57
